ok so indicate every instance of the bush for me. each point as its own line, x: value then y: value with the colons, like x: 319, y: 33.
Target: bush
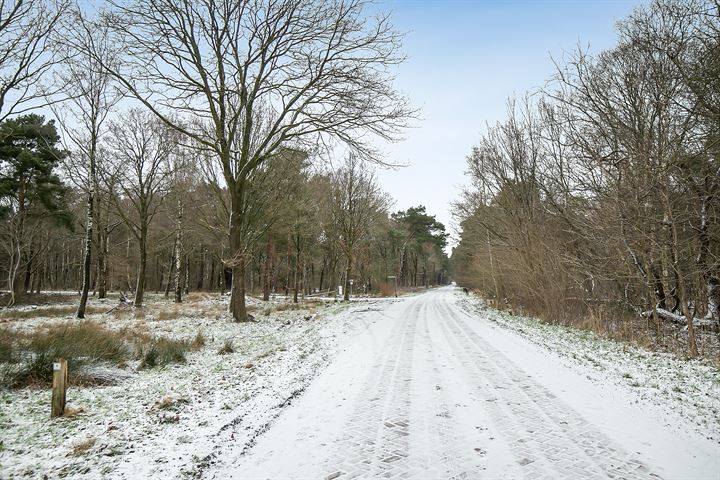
x: 163, y: 351
x: 386, y: 289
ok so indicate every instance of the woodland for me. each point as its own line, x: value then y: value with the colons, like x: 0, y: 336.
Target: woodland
x: 203, y: 146
x: 596, y: 202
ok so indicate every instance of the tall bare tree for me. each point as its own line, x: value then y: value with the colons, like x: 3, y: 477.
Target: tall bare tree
x: 356, y: 201
x: 260, y: 75
x: 90, y: 95
x: 140, y: 163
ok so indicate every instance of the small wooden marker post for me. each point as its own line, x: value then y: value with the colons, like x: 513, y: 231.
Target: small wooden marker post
x: 59, y: 387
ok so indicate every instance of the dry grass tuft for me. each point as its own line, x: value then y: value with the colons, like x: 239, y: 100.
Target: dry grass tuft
x: 163, y: 351
x: 81, y: 447
x: 165, y: 403
x: 169, y: 313
x: 198, y: 296
x: 198, y: 342
x: 170, y: 403
x: 71, y: 412
x: 282, y: 307
x: 227, y: 348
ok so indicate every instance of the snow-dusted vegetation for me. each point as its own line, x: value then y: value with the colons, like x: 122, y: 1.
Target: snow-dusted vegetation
x: 132, y: 420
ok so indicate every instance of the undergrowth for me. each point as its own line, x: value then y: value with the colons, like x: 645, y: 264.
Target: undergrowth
x: 27, y: 358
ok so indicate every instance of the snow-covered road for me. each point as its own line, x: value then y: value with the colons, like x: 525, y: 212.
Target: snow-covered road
x: 431, y: 390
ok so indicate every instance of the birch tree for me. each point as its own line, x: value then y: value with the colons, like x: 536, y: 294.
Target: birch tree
x: 90, y: 96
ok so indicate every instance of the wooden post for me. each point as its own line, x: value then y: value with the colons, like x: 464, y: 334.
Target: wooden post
x: 59, y: 387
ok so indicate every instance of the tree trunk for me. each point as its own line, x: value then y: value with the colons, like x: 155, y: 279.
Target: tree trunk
x: 692, y: 344
x: 140, y: 285
x: 178, y: 249
x: 713, y: 294
x: 28, y: 271
x: 159, y: 274
x: 237, y: 257
x: 237, y: 293
x: 87, y: 260
x: 171, y: 270
x: 298, y: 272
x: 252, y: 275
x: 201, y: 269
x: 708, y: 273
x: 102, y: 264
x: 322, y: 273
x: 348, y: 272
x: 267, y: 269
x: 187, y: 274
x: 178, y: 281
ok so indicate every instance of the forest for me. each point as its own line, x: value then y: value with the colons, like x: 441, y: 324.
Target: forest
x: 204, y: 273
x: 224, y: 147
x: 596, y: 202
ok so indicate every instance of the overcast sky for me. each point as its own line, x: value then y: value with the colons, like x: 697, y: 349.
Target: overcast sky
x: 466, y: 58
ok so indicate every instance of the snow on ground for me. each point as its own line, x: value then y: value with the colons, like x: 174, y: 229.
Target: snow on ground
x: 172, y: 421
x: 685, y: 393
x: 434, y: 385
x: 436, y: 388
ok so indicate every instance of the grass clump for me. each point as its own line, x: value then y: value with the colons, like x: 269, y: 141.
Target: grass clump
x: 163, y: 351
x: 227, y: 348
x: 7, y: 349
x: 282, y: 307
x: 171, y: 403
x: 198, y: 342
x: 27, y: 358
x: 171, y: 313
x: 83, y: 446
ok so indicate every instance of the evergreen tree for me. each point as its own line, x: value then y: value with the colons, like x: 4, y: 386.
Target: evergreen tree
x: 30, y: 190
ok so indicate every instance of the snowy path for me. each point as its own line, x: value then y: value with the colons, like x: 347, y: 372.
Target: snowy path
x: 431, y: 391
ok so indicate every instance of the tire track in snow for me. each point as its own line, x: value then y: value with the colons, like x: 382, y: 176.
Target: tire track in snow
x: 375, y: 438
x: 548, y: 431
x: 443, y: 453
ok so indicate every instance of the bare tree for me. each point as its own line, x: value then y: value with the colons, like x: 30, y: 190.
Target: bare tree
x: 90, y: 97
x: 356, y: 200
x: 139, y: 160
x: 601, y: 194
x: 259, y: 75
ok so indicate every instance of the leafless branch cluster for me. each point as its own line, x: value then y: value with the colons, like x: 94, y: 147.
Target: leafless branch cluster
x: 603, y: 190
